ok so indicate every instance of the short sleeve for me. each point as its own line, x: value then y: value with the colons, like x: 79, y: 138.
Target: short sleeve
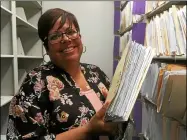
x: 28, y: 119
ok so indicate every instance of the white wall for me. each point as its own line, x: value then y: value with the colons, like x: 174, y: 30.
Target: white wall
x: 96, y: 24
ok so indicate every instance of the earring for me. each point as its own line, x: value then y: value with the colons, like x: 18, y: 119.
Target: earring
x: 84, y: 49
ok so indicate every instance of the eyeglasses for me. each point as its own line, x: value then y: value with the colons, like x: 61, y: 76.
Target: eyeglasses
x: 58, y: 37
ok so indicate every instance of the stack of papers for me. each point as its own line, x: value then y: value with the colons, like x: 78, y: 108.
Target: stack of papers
x: 165, y: 85
x: 155, y: 126
x: 149, y: 84
x: 172, y: 96
x: 123, y: 41
x: 151, y: 5
x: 127, y: 81
x: 166, y: 32
x: 126, y: 16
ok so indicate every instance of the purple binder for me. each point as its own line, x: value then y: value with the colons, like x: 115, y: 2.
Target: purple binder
x: 116, y: 46
x: 138, y: 32
x: 138, y: 7
x: 116, y: 20
x: 137, y: 112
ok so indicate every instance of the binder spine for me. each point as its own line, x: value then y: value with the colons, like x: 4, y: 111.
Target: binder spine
x: 116, y: 32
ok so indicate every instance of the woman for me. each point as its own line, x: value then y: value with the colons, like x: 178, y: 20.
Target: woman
x: 64, y: 98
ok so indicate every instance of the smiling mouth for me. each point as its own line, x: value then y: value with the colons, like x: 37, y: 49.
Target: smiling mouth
x: 68, y: 50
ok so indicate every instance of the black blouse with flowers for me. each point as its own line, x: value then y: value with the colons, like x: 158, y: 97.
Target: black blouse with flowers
x: 49, y: 102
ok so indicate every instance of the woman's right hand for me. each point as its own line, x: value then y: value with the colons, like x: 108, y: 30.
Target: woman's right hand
x: 97, y: 125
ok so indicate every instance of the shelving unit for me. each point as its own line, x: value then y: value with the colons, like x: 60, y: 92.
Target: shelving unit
x: 29, y: 4
x: 170, y: 58
x: 6, y: 4
x: 5, y: 11
x: 6, y: 31
x: 164, y: 7
x: 5, y: 100
x: 25, y: 64
x: 149, y: 120
x: 24, y: 25
x: 21, y: 48
x: 3, y: 137
x: 7, y: 80
x: 6, y: 56
x: 148, y: 15
x: 123, y: 5
x: 29, y: 57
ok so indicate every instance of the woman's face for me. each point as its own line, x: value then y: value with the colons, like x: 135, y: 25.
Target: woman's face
x: 68, y: 49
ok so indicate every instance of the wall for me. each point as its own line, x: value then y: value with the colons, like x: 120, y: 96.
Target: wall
x: 96, y: 24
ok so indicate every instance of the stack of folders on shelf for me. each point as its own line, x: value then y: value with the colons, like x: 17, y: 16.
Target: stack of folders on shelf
x: 157, y: 127
x: 128, y: 78
x: 151, y: 5
x: 126, y: 16
x: 165, y: 86
x: 166, y: 32
x: 124, y: 40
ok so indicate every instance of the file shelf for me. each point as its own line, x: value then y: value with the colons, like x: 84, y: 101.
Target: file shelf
x: 148, y: 15
x: 123, y: 5
x: 176, y: 58
x: 163, y: 99
x: 177, y: 119
x: 21, y: 48
x: 154, y: 105
x: 165, y: 6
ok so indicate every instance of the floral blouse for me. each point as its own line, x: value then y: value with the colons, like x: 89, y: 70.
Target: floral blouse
x: 49, y: 102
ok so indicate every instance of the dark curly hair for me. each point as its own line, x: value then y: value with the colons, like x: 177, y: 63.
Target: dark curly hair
x: 48, y: 19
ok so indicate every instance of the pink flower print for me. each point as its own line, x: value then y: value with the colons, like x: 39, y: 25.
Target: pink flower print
x: 18, y: 110
x: 27, y: 136
x: 39, y: 118
x: 84, y: 110
x: 12, y: 106
x: 55, y: 82
x: 83, y: 121
x: 54, y: 86
x: 54, y: 94
x: 39, y: 86
x: 32, y: 73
